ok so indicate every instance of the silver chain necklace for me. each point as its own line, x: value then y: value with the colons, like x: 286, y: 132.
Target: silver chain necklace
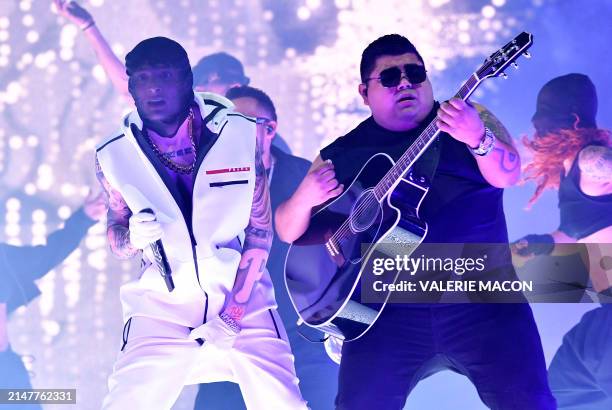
x: 182, y: 169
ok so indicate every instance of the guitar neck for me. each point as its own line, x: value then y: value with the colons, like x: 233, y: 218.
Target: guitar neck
x: 416, y: 149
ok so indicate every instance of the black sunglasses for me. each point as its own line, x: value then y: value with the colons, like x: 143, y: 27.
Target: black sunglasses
x: 392, y: 76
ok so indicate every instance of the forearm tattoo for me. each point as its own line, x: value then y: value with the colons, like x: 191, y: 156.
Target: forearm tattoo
x: 509, y: 159
x: 596, y: 162
x: 259, y: 231
x: 249, y: 273
x: 258, y: 239
x: 118, y: 216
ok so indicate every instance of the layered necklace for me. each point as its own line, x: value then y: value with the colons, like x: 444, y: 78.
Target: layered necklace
x: 181, y: 169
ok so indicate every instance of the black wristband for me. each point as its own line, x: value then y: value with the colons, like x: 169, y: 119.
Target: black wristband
x: 537, y: 245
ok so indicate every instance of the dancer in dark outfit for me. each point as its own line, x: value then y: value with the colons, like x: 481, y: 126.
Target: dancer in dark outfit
x: 574, y: 156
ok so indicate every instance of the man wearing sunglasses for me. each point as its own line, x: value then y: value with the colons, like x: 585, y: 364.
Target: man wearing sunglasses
x: 496, y: 346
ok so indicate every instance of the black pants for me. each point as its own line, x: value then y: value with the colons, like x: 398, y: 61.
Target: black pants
x: 580, y: 374
x: 497, y: 346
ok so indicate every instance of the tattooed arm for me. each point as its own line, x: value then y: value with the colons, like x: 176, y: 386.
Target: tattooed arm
x: 258, y: 239
x: 502, y: 166
x: 117, y: 226
x: 596, y: 162
x: 466, y: 122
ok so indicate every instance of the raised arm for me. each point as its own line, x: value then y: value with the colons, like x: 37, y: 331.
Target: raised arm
x: 501, y: 167
x: 114, y: 68
x: 292, y: 217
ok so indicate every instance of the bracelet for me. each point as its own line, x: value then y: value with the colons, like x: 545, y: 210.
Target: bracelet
x: 486, y: 145
x: 88, y: 25
x: 230, y: 322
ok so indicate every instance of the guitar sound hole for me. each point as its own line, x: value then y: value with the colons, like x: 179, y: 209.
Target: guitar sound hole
x: 365, y: 212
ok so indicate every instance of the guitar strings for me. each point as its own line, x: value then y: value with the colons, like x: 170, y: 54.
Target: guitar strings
x: 345, y: 227
x: 427, y: 134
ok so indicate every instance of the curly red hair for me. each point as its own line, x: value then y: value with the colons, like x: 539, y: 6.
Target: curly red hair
x: 550, y: 150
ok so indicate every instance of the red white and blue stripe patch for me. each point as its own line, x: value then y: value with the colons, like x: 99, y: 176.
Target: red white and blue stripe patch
x: 227, y: 170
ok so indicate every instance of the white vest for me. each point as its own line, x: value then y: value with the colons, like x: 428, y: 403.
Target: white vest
x: 222, y: 199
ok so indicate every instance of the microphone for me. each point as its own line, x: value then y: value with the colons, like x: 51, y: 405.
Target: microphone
x: 161, y: 260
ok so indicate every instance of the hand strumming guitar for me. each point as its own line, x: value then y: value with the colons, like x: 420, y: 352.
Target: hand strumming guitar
x: 319, y: 185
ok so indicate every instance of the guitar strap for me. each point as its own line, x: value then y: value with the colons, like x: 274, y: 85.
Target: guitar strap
x: 427, y: 164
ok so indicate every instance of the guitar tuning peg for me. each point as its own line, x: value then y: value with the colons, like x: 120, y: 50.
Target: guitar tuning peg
x: 504, y: 76
x: 515, y: 65
x: 526, y: 54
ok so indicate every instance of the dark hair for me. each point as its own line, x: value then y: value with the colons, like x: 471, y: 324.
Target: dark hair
x: 226, y: 66
x: 263, y: 100
x: 388, y: 45
x: 157, y: 51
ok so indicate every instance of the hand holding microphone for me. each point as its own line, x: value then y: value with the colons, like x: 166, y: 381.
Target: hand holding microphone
x: 144, y: 229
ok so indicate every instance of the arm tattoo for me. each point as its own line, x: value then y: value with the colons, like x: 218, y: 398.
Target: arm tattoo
x: 117, y: 225
x: 596, y: 162
x: 258, y: 239
x: 251, y: 272
x: 508, y: 163
x: 259, y: 231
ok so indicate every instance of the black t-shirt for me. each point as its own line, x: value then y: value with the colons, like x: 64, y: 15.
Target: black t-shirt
x: 582, y: 214
x: 460, y: 207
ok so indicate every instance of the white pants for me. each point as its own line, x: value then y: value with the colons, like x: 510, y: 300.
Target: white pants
x: 159, y: 359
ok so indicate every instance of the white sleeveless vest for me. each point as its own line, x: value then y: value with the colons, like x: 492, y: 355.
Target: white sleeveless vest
x: 204, y: 272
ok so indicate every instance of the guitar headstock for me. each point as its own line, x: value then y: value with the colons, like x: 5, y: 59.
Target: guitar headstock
x: 497, y: 62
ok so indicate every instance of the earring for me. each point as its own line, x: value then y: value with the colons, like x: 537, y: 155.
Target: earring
x: 577, y: 120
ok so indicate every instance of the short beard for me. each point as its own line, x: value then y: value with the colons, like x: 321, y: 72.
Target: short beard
x: 176, y: 120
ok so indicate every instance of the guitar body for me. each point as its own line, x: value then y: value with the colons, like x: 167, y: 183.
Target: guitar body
x: 324, y: 266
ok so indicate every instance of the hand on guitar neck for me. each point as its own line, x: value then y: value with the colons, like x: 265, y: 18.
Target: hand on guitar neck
x: 318, y: 186
x: 466, y: 122
x: 460, y: 119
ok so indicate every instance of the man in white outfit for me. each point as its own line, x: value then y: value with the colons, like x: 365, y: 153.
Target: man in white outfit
x: 185, y: 172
